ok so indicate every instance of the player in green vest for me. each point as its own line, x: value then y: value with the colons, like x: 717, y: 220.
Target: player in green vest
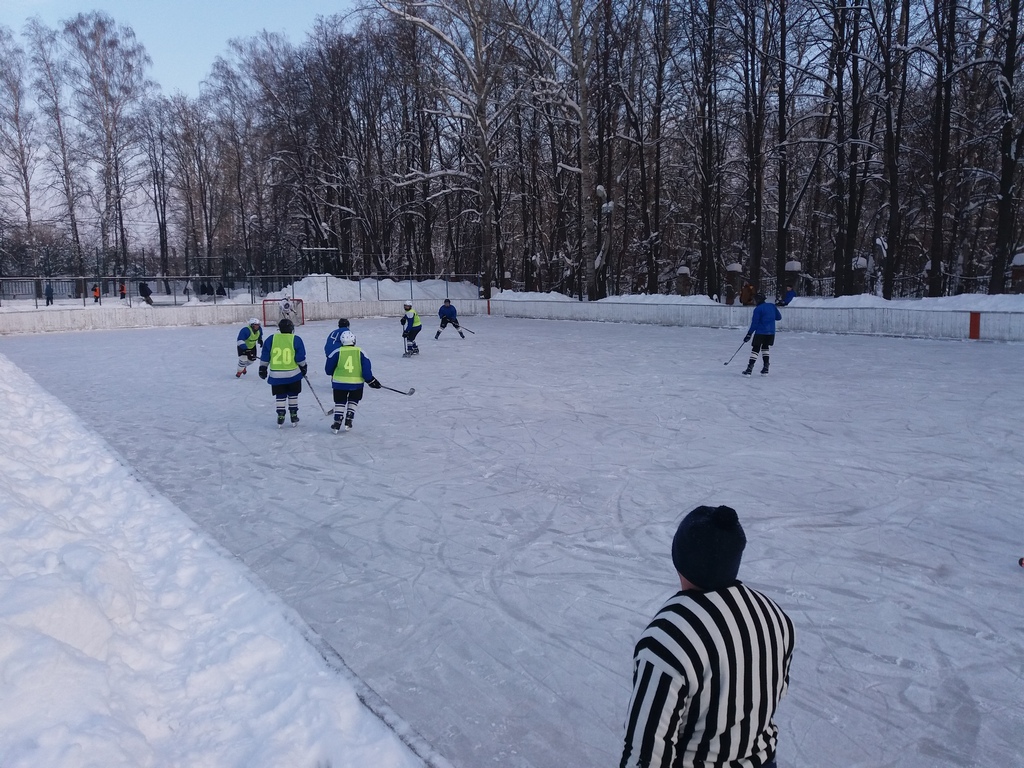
x: 411, y: 326
x: 248, y: 338
x: 283, y: 364
x: 348, y: 368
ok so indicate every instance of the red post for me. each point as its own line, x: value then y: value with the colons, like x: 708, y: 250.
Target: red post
x: 975, y: 331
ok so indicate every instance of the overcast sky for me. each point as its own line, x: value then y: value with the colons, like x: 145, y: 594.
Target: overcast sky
x: 183, y: 37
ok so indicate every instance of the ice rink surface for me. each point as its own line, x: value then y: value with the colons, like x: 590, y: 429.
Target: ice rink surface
x: 485, y: 553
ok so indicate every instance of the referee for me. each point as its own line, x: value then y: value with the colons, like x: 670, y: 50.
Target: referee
x: 710, y: 669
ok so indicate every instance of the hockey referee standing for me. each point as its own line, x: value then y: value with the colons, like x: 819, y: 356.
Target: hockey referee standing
x: 710, y: 669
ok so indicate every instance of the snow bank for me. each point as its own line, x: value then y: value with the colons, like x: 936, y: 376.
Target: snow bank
x: 127, y: 640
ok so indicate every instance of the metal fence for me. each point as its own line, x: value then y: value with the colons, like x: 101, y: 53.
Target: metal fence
x: 177, y: 290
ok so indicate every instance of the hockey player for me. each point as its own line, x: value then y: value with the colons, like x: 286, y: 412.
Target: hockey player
x: 248, y: 338
x: 334, y: 339
x: 348, y: 368
x: 284, y: 355
x: 411, y: 327
x: 286, y: 309
x: 762, y: 329
x: 448, y: 315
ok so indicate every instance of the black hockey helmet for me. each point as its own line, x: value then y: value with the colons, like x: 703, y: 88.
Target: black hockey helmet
x: 343, y: 322
x: 760, y: 298
x: 286, y: 326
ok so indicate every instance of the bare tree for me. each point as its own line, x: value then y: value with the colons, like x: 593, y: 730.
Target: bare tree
x: 889, y: 21
x: 756, y: 25
x: 107, y: 69
x: 706, y: 136
x: 154, y: 128
x: 475, y: 55
x: 63, y: 158
x: 19, y: 145
x: 944, y: 21
x: 1011, y: 142
x: 199, y: 179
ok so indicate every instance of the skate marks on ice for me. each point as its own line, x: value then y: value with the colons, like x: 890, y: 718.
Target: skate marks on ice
x: 485, y: 554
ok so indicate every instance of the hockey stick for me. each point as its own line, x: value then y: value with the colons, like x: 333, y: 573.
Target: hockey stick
x: 399, y: 391
x: 736, y: 352
x: 314, y: 394
x: 334, y: 410
x: 464, y: 328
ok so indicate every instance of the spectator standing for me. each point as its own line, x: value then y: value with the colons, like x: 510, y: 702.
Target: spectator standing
x: 95, y: 294
x: 747, y: 293
x: 48, y: 293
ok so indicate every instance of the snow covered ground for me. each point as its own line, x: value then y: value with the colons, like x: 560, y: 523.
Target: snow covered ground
x: 484, y: 553
x: 126, y: 639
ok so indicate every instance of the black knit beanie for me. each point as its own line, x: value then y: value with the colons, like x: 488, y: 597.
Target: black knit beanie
x: 708, y: 546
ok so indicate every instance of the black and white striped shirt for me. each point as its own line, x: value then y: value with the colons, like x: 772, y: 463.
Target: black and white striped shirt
x: 708, y: 673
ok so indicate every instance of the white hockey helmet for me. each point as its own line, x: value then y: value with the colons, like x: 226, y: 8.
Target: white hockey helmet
x: 252, y: 321
x: 408, y: 305
x: 348, y: 339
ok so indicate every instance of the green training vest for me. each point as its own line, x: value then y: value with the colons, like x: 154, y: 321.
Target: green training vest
x: 349, y: 369
x: 282, y: 352
x: 251, y: 341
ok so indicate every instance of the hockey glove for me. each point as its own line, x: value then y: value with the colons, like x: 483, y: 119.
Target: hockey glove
x: 747, y: 337
x: 303, y: 367
x: 263, y: 373
x: 251, y: 353
x: 405, y: 334
x: 374, y: 384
